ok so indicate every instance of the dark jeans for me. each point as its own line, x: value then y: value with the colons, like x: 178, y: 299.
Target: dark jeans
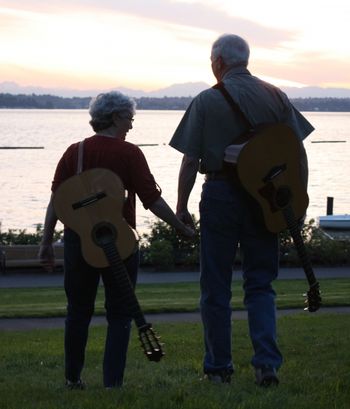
x: 227, y: 219
x: 81, y: 282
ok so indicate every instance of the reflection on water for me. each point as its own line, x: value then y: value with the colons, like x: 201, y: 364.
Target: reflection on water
x: 26, y: 174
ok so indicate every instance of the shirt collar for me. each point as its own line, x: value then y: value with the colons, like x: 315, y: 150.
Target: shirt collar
x: 236, y: 70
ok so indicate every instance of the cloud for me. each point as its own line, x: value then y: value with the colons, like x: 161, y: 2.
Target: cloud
x: 194, y: 15
x: 309, y: 68
x: 201, y: 16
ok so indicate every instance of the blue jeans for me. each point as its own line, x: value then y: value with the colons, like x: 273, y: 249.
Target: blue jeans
x: 81, y: 282
x: 228, y: 218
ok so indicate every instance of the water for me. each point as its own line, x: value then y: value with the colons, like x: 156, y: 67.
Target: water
x: 26, y: 174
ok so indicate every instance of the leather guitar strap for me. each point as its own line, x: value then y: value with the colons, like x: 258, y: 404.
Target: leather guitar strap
x: 235, y: 107
x: 80, y: 157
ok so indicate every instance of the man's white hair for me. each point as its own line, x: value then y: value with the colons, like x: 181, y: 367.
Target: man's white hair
x: 234, y: 50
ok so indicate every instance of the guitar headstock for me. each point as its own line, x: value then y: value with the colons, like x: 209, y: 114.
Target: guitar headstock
x: 314, y: 300
x: 150, y: 344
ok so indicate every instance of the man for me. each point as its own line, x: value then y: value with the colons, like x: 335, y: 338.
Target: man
x: 112, y: 116
x: 227, y: 217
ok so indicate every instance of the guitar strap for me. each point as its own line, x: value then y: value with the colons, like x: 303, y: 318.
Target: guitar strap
x: 235, y: 107
x: 80, y: 157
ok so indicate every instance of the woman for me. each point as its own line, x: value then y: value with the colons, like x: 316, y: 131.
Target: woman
x: 111, y: 119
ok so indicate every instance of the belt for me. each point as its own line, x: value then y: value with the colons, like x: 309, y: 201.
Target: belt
x: 219, y: 175
x: 229, y: 174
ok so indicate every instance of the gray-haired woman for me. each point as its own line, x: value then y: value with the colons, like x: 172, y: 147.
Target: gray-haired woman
x: 111, y: 118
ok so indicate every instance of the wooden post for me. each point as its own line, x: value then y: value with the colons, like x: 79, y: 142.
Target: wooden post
x: 330, y: 201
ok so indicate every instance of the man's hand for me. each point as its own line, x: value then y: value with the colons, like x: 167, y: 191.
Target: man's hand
x: 186, y: 232
x: 47, y: 257
x: 186, y: 218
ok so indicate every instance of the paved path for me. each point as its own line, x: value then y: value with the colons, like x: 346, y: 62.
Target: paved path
x: 26, y: 324
x: 37, y: 279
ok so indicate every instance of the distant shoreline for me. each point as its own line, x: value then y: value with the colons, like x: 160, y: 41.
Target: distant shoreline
x: 22, y: 101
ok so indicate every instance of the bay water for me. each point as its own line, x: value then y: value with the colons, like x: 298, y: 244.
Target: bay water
x: 26, y: 174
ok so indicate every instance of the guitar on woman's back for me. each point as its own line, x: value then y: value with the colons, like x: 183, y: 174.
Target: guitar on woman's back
x: 91, y: 204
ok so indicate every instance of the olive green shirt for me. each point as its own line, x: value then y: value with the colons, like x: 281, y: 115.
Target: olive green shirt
x: 210, y: 125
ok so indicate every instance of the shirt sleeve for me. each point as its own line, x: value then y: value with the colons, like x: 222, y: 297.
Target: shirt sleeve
x: 300, y: 125
x: 63, y: 170
x: 188, y: 135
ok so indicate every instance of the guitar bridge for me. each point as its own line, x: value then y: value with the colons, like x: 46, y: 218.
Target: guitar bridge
x: 89, y: 200
x: 274, y: 172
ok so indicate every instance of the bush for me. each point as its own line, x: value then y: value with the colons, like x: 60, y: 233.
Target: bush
x: 321, y: 249
x: 163, y: 247
x: 185, y: 252
x: 17, y: 236
x: 161, y: 253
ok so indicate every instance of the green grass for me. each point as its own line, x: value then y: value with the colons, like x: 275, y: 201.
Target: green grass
x: 180, y: 297
x: 315, y: 374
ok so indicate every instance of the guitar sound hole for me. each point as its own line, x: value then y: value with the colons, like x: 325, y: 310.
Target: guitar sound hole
x: 104, y: 233
x: 283, y: 197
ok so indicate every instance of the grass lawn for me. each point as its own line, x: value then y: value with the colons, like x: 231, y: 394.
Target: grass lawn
x: 172, y: 297
x: 315, y: 374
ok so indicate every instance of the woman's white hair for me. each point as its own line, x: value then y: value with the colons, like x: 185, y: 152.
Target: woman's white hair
x: 234, y: 50
x: 103, y: 107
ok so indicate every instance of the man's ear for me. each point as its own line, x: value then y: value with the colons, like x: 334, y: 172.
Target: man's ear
x: 221, y: 63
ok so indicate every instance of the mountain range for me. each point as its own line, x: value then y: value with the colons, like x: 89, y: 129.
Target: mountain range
x: 186, y: 89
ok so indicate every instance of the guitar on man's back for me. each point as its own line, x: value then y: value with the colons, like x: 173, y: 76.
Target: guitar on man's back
x: 268, y: 167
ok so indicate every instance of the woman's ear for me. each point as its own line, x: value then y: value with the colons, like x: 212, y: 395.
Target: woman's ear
x: 115, y: 118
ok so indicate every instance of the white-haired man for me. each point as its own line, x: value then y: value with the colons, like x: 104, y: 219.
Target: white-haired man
x: 227, y: 218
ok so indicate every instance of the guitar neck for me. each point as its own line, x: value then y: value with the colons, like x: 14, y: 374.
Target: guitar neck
x: 122, y: 281
x: 299, y: 245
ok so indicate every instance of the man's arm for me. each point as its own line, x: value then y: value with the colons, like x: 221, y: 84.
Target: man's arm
x: 46, y: 253
x: 187, y: 177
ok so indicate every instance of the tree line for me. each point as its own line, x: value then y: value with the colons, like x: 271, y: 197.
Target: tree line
x: 33, y: 101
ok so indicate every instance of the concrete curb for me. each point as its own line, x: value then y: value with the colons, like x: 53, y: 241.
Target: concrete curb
x: 18, y: 279
x: 27, y: 324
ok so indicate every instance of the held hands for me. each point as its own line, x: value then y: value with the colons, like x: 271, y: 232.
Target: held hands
x: 186, y: 218
x: 47, y: 257
x: 187, y: 229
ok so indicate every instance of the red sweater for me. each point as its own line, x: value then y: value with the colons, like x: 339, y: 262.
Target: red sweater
x: 123, y: 158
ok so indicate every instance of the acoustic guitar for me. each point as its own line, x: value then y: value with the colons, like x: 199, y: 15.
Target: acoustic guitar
x: 268, y: 167
x: 91, y: 204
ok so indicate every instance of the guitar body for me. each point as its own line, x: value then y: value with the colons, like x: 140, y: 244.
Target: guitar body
x: 89, y: 199
x: 268, y: 167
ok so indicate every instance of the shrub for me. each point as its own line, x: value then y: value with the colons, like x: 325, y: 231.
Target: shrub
x: 18, y: 236
x: 185, y: 252
x: 163, y: 247
x: 161, y: 253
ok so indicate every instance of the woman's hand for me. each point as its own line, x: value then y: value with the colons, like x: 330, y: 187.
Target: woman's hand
x: 46, y: 256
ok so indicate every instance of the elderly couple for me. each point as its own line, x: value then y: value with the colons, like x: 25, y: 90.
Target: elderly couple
x: 226, y: 220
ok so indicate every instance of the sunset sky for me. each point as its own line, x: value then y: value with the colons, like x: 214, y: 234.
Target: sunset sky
x: 149, y: 44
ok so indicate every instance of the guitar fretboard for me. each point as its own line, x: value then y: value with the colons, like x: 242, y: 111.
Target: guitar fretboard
x: 123, y: 282
x: 313, y: 295
x: 299, y: 244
